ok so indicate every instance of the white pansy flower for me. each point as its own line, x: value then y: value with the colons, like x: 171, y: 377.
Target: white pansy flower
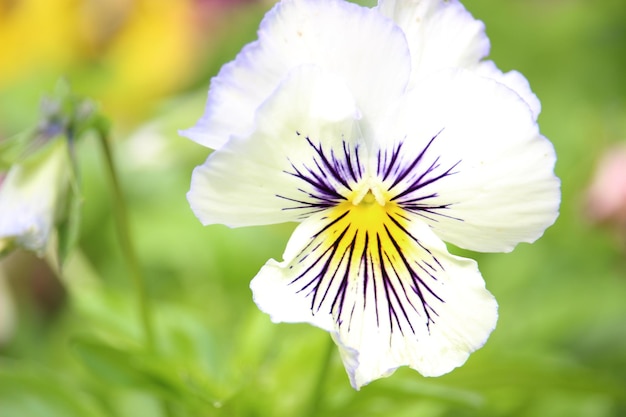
x: 31, y: 195
x: 384, y: 134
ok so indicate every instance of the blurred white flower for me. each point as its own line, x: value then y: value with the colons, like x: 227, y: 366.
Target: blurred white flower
x: 384, y: 133
x: 31, y: 195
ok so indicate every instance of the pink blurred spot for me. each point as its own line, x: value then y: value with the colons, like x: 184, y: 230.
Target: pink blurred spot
x: 606, y: 197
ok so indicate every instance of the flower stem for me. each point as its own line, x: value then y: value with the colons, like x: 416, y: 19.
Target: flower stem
x: 127, y: 246
x: 318, y: 390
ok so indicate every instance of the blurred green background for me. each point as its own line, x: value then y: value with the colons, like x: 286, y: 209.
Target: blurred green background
x: 70, y: 346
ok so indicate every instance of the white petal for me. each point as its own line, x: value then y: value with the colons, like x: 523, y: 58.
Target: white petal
x: 252, y: 180
x: 486, y: 173
x: 441, y: 34
x: 350, y: 41
x: 384, y: 286
x: 30, y: 194
x: 513, y: 80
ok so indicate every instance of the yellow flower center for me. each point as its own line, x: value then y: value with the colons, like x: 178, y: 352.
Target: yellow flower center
x: 366, y: 220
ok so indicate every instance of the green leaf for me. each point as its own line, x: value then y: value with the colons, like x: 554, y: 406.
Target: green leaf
x: 13, y: 149
x: 68, y: 227
x: 135, y: 368
x: 26, y: 390
x: 121, y: 367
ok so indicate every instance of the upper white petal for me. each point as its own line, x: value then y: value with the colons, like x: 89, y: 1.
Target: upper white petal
x: 30, y: 194
x: 501, y: 188
x: 380, y: 315
x: 440, y: 33
x: 240, y: 183
x: 357, y: 44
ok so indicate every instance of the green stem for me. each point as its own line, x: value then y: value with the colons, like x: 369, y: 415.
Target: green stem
x: 320, y: 384
x: 126, y: 243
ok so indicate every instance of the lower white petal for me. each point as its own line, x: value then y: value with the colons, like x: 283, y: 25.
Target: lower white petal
x: 386, y: 288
